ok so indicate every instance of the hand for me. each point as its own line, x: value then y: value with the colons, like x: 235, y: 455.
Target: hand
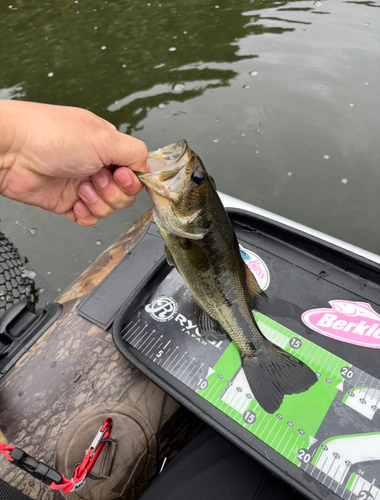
x: 67, y: 160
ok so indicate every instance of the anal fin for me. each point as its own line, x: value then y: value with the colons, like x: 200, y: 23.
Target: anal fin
x: 207, y: 324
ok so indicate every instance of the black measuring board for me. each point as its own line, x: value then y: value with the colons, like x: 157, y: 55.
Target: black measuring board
x: 325, y: 442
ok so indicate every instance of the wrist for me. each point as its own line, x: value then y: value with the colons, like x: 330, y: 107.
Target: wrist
x: 9, y: 123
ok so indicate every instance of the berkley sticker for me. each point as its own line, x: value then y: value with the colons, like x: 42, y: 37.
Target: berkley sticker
x: 257, y: 267
x: 353, y: 322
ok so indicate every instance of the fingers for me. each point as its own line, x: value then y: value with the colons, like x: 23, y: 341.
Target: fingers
x: 128, y: 151
x: 105, y: 193
x: 82, y: 215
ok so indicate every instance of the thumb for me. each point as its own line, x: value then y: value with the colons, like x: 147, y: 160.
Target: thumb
x: 129, y: 152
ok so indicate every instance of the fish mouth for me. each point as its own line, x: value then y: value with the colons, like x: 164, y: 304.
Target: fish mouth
x: 165, y: 158
x: 165, y: 163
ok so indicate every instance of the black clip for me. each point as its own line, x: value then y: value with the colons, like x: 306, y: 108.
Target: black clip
x: 34, y: 467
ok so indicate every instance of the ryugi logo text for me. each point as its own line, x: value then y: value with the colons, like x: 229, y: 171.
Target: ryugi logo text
x: 165, y: 308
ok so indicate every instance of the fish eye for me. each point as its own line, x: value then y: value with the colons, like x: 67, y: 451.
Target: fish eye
x: 198, y: 177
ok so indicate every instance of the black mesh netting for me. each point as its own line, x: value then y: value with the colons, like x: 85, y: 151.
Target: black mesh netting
x: 9, y: 493
x: 16, y: 280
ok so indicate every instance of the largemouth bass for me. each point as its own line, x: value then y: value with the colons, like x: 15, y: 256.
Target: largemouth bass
x: 201, y: 243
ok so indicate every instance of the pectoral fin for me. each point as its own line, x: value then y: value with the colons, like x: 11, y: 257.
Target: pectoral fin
x: 195, y: 255
x: 169, y: 256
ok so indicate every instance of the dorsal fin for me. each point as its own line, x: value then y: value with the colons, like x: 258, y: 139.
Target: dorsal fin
x: 256, y: 295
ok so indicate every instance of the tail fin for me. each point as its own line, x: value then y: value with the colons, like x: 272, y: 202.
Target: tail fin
x: 273, y: 373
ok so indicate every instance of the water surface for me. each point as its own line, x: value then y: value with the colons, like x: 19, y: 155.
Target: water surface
x: 279, y: 98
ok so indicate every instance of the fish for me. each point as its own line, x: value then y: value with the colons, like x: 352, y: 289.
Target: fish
x: 201, y: 244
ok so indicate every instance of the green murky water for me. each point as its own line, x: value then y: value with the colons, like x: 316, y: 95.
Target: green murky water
x: 280, y: 99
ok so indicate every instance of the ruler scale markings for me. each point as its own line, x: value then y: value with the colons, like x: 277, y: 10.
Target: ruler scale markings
x: 311, y: 361
x: 162, y: 359
x: 131, y: 331
x: 231, y: 400
x: 337, y: 363
x: 216, y: 392
x: 241, y: 403
x: 290, y: 437
x: 286, y: 430
x: 277, y: 338
x: 183, y: 368
x: 153, y: 346
x: 374, y: 389
x: 364, y: 383
x: 316, y: 463
x: 326, y: 364
x: 285, y: 341
x: 125, y: 327
x: 123, y: 330
x: 341, y: 479
x: 229, y: 410
x: 244, y: 402
x: 140, y: 346
x: 258, y: 427
x: 148, y: 344
x: 241, y: 406
x: 174, y: 362
x: 135, y: 328
x: 357, y: 479
x: 137, y: 339
x: 158, y: 347
x: 196, y: 373
x: 262, y: 432
x: 190, y: 372
x: 170, y: 356
x: 316, y: 362
x: 274, y: 439
x: 179, y: 368
x: 131, y: 337
x: 178, y: 362
x: 323, y: 466
x: 192, y: 366
x: 328, y: 472
x: 369, y: 388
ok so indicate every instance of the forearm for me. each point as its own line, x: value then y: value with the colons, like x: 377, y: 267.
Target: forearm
x: 12, y: 122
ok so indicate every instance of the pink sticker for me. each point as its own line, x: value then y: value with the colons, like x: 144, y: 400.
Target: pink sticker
x: 353, y: 322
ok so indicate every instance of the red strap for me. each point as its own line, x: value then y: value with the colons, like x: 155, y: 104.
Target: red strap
x: 66, y: 485
x: 6, y: 451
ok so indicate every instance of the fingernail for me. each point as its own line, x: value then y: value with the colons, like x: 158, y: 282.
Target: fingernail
x: 88, y: 193
x: 81, y: 208
x: 101, y: 179
x: 123, y: 178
